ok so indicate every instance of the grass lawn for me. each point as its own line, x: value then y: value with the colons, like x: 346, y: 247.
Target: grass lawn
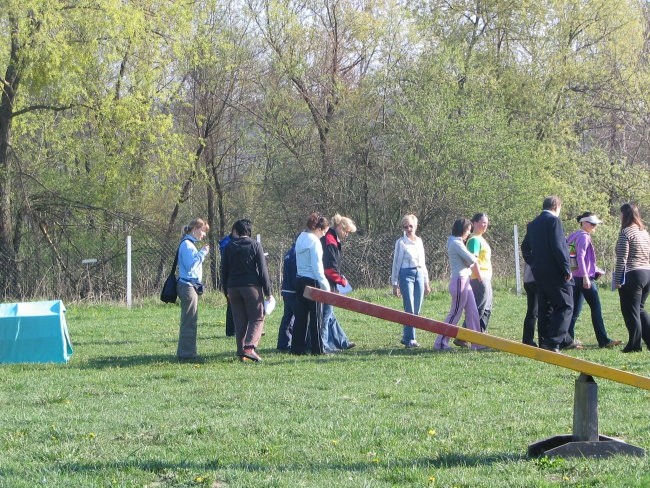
x: 124, y: 413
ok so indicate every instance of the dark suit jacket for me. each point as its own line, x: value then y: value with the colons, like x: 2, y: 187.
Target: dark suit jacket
x: 545, y: 249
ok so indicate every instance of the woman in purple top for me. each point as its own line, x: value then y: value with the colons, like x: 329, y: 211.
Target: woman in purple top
x: 462, y: 262
x: 585, y: 273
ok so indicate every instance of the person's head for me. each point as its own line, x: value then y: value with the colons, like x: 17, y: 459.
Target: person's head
x: 197, y: 228
x: 588, y: 221
x: 461, y: 228
x: 410, y: 224
x: 479, y: 223
x: 553, y: 204
x: 317, y: 224
x: 343, y: 226
x: 630, y: 216
x: 243, y: 228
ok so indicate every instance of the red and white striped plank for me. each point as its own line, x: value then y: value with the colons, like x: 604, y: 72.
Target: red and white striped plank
x: 506, y: 345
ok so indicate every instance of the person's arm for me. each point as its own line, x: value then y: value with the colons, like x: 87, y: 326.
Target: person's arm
x: 330, y: 254
x: 397, y: 263
x: 225, y: 270
x: 470, y: 261
x: 425, y: 271
x: 561, y: 248
x: 262, y: 269
x: 622, y: 252
x: 581, y: 244
x: 526, y: 249
x: 316, y: 257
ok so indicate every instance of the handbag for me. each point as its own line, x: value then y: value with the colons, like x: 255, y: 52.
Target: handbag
x: 168, y: 293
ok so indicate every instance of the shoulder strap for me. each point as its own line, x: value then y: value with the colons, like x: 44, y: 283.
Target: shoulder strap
x: 173, y: 270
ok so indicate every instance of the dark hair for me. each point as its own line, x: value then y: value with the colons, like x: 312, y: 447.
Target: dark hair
x: 478, y: 216
x: 317, y: 221
x: 630, y: 215
x: 460, y: 227
x: 243, y: 227
x: 583, y: 215
x: 551, y: 203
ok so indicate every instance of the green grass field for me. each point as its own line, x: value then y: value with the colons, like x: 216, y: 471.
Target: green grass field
x: 124, y: 413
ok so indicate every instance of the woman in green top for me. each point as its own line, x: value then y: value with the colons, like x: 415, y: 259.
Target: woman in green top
x: 482, y: 289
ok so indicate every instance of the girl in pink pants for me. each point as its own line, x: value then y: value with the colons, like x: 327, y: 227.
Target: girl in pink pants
x: 462, y: 263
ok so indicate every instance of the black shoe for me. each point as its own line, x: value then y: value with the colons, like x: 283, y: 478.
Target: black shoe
x: 550, y: 348
x: 350, y: 345
x: 626, y: 350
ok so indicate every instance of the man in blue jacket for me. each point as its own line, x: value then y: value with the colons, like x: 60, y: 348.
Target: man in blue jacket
x: 545, y: 249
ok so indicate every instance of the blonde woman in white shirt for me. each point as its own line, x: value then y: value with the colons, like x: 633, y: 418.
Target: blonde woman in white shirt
x: 409, y: 276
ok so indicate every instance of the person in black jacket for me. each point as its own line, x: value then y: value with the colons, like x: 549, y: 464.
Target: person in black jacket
x: 246, y: 283
x: 546, y: 251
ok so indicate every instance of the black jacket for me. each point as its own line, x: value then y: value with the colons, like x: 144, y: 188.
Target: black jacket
x: 244, y: 264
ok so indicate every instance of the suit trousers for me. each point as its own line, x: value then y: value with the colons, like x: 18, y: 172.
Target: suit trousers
x: 531, y: 313
x: 555, y: 302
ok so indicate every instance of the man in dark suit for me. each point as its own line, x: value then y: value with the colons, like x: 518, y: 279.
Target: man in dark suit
x: 545, y: 249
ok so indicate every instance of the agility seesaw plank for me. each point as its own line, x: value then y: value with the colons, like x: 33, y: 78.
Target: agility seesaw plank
x: 538, y: 354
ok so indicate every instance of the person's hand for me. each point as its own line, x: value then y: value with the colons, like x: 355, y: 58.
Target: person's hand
x: 586, y: 283
x: 396, y: 291
x: 568, y: 277
x: 345, y: 282
x: 207, y: 248
x: 427, y: 288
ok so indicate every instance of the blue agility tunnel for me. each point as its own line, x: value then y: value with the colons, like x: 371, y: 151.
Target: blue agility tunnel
x: 34, y: 332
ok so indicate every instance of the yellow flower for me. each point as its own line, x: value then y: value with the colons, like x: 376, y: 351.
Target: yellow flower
x: 335, y: 441
x: 432, y: 479
x: 199, y: 479
x: 431, y: 432
x: 91, y: 435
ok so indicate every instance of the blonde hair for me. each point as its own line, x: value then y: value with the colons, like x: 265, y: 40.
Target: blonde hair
x: 345, y: 223
x: 409, y: 219
x: 196, y: 224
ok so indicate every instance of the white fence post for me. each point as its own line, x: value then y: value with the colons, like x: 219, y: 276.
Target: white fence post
x: 517, y: 270
x: 128, y: 272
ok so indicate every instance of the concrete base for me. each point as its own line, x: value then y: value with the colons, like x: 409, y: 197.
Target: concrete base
x: 565, y: 446
x: 585, y: 440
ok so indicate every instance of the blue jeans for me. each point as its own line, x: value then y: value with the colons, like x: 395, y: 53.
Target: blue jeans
x: 411, y: 286
x: 286, y: 324
x: 332, y: 334
x: 592, y: 298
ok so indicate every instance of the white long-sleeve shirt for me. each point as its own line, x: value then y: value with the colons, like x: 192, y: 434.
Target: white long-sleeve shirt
x: 408, y: 254
x: 309, y: 259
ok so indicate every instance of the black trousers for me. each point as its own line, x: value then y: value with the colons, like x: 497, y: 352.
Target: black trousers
x: 308, y: 316
x: 633, y: 295
x: 530, y: 321
x: 555, y: 302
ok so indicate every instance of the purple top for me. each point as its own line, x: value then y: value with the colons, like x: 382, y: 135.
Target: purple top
x: 585, y: 254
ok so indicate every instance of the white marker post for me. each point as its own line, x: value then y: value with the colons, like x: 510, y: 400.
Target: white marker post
x: 128, y: 272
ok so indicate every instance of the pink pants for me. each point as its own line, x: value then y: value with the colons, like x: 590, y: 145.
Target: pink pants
x: 462, y: 299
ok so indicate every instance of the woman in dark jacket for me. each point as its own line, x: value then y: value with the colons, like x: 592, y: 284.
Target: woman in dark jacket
x: 246, y: 283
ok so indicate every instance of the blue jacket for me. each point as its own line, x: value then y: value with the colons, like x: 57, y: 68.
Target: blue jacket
x: 289, y: 271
